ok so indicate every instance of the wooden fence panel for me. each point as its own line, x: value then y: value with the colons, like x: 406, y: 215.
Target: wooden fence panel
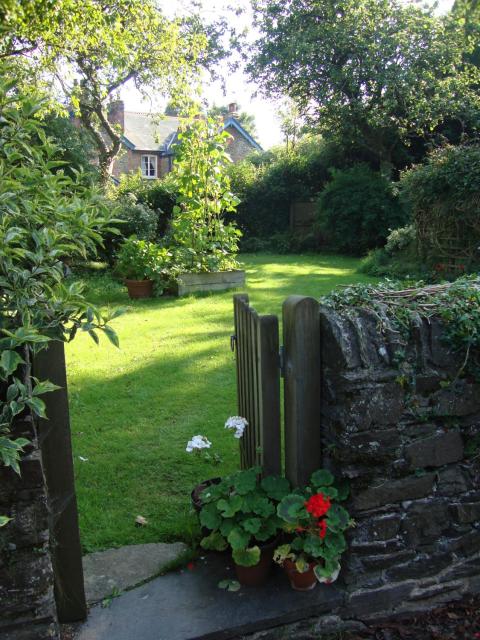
x: 258, y: 386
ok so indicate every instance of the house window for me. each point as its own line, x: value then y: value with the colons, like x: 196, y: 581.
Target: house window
x: 149, y: 166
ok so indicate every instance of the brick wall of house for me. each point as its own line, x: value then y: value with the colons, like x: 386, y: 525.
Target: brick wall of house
x: 238, y: 148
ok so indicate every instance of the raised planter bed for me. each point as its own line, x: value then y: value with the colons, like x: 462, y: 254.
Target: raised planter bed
x: 216, y: 281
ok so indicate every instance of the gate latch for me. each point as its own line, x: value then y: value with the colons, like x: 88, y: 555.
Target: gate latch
x: 233, y: 342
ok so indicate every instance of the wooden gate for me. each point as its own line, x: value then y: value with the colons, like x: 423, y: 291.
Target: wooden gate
x: 260, y: 361
x: 258, y: 386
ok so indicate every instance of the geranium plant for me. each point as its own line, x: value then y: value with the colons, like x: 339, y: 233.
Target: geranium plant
x: 241, y: 513
x: 315, y: 522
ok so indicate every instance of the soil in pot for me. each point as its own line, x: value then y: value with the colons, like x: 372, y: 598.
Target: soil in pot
x: 258, y: 574
x: 300, y: 581
x: 139, y: 288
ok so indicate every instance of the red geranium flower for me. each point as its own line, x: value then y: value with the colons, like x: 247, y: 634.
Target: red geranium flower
x: 318, y: 505
x: 322, y: 525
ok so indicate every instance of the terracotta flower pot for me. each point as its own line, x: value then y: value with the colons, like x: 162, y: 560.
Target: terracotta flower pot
x: 257, y: 575
x: 139, y: 288
x: 300, y: 581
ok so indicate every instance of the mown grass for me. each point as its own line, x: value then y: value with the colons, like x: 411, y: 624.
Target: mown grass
x: 134, y: 408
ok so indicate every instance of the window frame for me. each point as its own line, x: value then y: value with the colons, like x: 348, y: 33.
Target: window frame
x: 149, y: 156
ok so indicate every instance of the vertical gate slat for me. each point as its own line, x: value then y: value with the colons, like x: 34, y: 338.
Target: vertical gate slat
x: 268, y: 341
x: 258, y: 386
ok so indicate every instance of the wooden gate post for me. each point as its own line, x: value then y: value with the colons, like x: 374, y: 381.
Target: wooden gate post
x: 55, y: 441
x: 301, y: 336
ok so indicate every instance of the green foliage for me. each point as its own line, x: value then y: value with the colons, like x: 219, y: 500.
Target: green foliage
x: 268, y: 183
x: 357, y: 209
x: 315, y: 524
x: 200, y: 237
x: 74, y: 145
x: 45, y: 216
x: 443, y: 195
x: 376, y: 71
x: 398, y: 258
x: 143, y: 260
x: 241, y: 509
x: 133, y: 219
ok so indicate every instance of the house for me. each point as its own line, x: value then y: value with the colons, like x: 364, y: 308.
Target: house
x: 148, y: 142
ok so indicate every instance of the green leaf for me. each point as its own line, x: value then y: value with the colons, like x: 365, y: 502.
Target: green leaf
x: 238, y: 538
x: 209, y: 516
x: 275, y: 487
x: 338, y: 517
x: 330, y: 492
x: 328, y: 572
x: 335, y: 542
x: 252, y: 525
x: 214, y: 542
x: 44, y: 387
x: 229, y: 585
x: 111, y: 335
x: 245, y: 481
x: 292, y: 508
x: 37, y: 406
x: 230, y: 507
x: 4, y: 521
x: 9, y: 362
x: 227, y: 526
x: 313, y: 546
x: 247, y: 557
x: 343, y: 489
x: 321, y: 478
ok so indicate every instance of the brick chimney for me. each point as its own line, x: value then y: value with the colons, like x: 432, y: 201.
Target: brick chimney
x: 116, y: 113
x: 232, y: 110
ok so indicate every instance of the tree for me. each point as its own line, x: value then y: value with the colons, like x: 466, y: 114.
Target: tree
x: 379, y: 72
x: 247, y: 120
x: 89, y: 51
x: 466, y: 16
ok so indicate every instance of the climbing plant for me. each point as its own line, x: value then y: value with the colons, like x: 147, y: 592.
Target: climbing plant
x: 201, y: 238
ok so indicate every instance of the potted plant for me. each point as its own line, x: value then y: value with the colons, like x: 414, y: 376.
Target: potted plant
x: 200, y: 446
x: 240, y: 513
x: 315, y: 523
x: 141, y: 264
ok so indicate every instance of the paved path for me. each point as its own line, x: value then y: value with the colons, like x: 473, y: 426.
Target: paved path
x: 188, y: 605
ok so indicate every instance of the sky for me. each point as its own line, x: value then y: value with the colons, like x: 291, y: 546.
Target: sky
x: 236, y: 87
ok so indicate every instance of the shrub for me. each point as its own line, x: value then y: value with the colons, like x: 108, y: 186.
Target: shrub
x: 143, y: 260
x: 357, y: 209
x: 133, y: 219
x: 444, y: 198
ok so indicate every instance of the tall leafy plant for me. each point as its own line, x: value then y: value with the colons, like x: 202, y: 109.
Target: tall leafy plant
x: 45, y: 216
x: 201, y: 238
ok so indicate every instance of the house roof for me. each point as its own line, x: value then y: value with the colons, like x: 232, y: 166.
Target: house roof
x: 148, y: 133
x: 145, y: 132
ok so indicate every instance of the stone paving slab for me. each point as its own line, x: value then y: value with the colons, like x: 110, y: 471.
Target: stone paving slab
x: 126, y: 567
x: 188, y: 605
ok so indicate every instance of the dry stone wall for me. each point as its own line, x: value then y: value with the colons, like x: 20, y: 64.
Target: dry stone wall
x: 404, y: 437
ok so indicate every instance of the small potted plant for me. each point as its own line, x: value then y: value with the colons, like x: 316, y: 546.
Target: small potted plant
x: 240, y: 513
x: 315, y: 524
x: 141, y: 264
x: 200, y: 447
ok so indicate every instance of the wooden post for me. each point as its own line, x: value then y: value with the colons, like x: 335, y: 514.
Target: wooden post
x: 301, y: 335
x: 55, y: 442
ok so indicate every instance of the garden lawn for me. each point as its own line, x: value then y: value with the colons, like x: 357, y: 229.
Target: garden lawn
x: 134, y: 408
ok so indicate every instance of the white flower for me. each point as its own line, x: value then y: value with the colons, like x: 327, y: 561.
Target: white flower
x: 238, y: 424
x: 197, y: 443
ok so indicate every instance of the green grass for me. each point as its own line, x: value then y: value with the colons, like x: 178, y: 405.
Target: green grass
x: 134, y: 408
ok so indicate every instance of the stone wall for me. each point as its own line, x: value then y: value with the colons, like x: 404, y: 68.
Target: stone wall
x: 27, y: 610
x: 403, y: 439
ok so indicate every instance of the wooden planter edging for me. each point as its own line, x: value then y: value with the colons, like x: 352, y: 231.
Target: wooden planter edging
x: 216, y: 281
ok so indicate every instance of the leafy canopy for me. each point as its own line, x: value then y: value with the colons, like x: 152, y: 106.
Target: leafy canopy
x: 380, y: 71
